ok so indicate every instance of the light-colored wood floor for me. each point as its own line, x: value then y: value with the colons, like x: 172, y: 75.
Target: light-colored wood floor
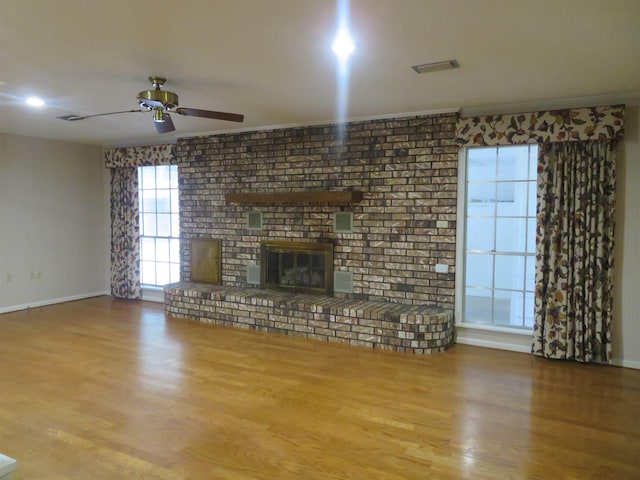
x: 108, y: 389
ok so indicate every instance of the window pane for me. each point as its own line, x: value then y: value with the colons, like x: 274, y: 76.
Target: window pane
x: 163, y: 201
x: 147, y: 249
x: 175, y: 225
x: 533, y: 200
x: 148, y: 203
x: 506, y: 192
x: 531, y: 235
x: 174, y: 177
x: 162, y: 250
x: 482, y: 164
x: 479, y: 270
x: 529, y: 309
x: 174, y: 250
x: 533, y: 162
x: 175, y: 272
x: 148, y: 273
x: 480, y: 233
x: 511, y: 234
x: 512, y: 199
x: 164, y: 225
x: 530, y: 279
x: 175, y: 201
x: 513, y: 163
x: 508, y: 308
x: 149, y: 224
x: 478, y: 305
x: 163, y: 176
x: 163, y: 275
x: 147, y: 177
x: 509, y: 272
x: 482, y: 194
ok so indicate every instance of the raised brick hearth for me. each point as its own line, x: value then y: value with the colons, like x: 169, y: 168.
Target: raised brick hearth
x: 390, y: 326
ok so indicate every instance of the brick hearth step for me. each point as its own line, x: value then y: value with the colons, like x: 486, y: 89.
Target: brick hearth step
x: 375, y: 324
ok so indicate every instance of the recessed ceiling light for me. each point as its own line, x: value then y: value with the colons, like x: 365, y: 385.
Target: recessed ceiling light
x: 35, y: 102
x: 435, y: 66
x: 343, y: 45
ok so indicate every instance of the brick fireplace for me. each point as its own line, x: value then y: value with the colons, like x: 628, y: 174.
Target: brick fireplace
x: 406, y: 169
x: 403, y: 222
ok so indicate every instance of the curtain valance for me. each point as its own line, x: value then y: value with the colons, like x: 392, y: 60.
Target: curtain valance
x: 580, y: 124
x: 139, y: 156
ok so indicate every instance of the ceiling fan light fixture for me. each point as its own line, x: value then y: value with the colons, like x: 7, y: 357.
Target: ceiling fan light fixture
x: 436, y: 66
x: 158, y: 115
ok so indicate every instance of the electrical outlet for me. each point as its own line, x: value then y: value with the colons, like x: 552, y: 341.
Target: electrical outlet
x: 39, y: 274
x: 442, y: 268
x: 8, y: 278
x: 32, y: 275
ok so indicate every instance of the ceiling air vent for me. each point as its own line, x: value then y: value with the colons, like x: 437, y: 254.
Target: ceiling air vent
x: 436, y: 66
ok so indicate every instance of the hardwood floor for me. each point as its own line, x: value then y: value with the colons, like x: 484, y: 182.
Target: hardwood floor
x: 108, y: 389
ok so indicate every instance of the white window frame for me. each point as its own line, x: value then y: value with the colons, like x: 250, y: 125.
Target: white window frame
x: 151, y: 287
x: 460, y: 280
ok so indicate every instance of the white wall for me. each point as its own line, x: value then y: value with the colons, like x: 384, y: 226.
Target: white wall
x: 53, y: 233
x: 626, y: 309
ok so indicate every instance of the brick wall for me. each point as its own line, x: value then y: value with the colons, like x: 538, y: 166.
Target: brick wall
x: 406, y: 168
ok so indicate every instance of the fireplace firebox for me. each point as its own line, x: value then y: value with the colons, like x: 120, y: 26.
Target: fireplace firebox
x: 300, y: 267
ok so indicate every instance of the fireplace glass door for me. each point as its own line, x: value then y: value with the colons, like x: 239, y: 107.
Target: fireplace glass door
x: 303, y: 267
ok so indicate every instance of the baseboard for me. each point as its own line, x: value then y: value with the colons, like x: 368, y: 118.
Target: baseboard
x: 52, y: 301
x: 151, y: 294
x: 500, y: 339
x: 625, y: 363
x: 520, y: 344
x: 492, y: 344
x: 7, y: 466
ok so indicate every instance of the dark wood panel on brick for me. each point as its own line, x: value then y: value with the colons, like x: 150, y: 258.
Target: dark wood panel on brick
x: 406, y: 169
x: 340, y: 197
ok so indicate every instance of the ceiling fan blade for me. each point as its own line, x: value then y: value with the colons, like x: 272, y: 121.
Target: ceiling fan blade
x: 73, y: 118
x: 166, y: 126
x: 196, y: 112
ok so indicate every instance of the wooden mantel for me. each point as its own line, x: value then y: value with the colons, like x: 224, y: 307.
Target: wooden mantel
x: 340, y: 197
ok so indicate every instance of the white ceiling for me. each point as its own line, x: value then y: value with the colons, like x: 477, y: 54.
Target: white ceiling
x: 272, y: 61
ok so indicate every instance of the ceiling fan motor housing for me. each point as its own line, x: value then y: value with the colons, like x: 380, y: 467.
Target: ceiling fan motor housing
x: 151, y: 99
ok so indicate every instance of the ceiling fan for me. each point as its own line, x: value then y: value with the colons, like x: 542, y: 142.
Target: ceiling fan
x: 162, y: 103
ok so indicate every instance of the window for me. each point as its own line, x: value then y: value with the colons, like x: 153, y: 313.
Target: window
x: 500, y: 234
x: 159, y: 225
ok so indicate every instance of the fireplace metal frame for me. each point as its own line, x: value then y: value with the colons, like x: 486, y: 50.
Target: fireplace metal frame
x: 295, y: 248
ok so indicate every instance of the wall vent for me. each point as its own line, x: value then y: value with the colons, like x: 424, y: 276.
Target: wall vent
x: 343, y: 222
x: 343, y: 282
x: 253, y: 274
x: 254, y: 220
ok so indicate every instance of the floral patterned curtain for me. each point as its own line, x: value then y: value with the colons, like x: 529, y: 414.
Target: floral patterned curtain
x: 574, y: 251
x: 574, y: 241
x: 572, y: 125
x: 125, y: 234
x: 125, y: 227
